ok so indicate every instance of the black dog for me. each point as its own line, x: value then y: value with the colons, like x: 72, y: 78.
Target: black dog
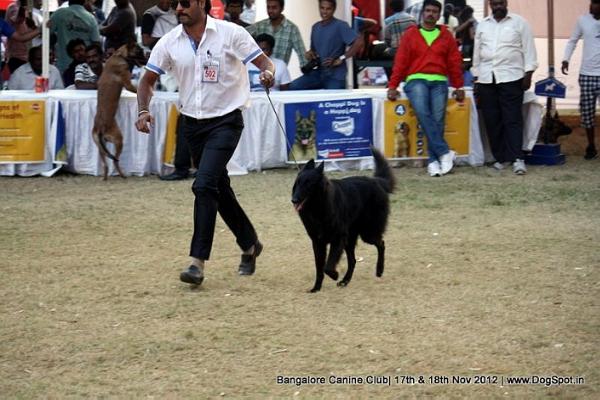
x: 337, y: 211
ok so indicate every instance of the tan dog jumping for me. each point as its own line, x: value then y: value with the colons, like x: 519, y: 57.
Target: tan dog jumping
x: 115, y: 76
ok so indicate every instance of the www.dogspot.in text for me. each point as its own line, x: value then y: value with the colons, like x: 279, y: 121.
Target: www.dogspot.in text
x: 392, y: 380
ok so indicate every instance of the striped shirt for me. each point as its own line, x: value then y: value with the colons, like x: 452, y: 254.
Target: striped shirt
x: 395, y: 25
x: 287, y: 38
x: 83, y: 73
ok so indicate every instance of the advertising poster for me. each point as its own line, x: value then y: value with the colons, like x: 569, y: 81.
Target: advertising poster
x: 60, y: 141
x: 22, y: 131
x: 329, y: 130
x: 171, y: 137
x: 404, y: 139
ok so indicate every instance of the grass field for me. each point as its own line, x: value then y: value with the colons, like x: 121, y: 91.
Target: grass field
x: 487, y: 274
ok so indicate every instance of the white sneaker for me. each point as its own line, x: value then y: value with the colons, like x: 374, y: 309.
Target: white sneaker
x: 519, y: 167
x: 447, y: 161
x: 434, y: 169
x: 498, y: 166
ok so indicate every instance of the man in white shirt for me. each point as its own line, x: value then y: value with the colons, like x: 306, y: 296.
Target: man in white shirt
x: 24, y: 77
x: 38, y: 18
x: 588, y: 27
x: 504, y: 59
x: 207, y: 58
x: 282, y: 76
x: 449, y: 19
x: 249, y: 13
x: 157, y: 21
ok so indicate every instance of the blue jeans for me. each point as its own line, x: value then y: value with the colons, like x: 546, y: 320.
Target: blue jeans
x: 429, y: 100
x: 317, y: 79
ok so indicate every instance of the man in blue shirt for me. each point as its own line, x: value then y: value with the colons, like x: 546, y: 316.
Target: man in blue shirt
x: 326, y: 68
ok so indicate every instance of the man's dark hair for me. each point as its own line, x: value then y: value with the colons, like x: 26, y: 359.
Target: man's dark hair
x: 434, y: 3
x: 77, y: 2
x: 32, y: 51
x: 240, y: 2
x: 281, y: 3
x: 94, y: 46
x: 331, y: 1
x: 72, y: 44
x: 595, y: 2
x: 265, y: 37
x: 397, y: 5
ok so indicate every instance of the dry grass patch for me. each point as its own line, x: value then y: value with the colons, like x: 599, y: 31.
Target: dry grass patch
x: 486, y: 274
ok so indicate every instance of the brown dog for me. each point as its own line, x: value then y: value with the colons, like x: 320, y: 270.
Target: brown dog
x: 401, y: 142
x: 114, y: 77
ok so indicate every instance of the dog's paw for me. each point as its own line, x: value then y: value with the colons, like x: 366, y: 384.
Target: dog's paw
x: 333, y: 274
x: 342, y: 283
x: 314, y: 290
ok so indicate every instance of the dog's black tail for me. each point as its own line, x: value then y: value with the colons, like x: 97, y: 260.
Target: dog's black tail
x: 383, y: 171
x: 103, y: 144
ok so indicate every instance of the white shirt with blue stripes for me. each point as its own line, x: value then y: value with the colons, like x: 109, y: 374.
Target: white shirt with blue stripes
x: 223, y: 43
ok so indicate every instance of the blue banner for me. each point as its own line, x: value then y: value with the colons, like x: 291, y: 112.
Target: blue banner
x: 329, y: 130
x: 551, y: 87
x: 60, y: 146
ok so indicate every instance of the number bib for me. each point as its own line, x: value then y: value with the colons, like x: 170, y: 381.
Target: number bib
x: 210, y: 71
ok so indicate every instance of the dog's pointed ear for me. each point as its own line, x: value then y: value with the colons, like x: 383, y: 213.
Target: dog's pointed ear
x: 131, y: 42
x: 310, y: 164
x: 321, y: 167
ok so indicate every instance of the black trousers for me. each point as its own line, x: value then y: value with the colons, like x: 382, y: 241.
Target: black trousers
x: 501, y: 105
x: 212, y: 143
x: 182, y: 159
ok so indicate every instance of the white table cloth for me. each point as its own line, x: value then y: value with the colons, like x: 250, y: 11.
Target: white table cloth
x: 262, y: 145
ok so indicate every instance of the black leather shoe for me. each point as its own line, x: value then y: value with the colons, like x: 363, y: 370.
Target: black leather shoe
x: 248, y: 264
x: 590, y: 153
x: 174, y: 176
x: 193, y: 275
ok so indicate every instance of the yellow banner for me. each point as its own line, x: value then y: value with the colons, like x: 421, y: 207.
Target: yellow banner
x: 22, y: 131
x: 171, y: 137
x: 404, y: 139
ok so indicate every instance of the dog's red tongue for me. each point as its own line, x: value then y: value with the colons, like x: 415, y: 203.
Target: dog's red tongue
x: 298, y: 206
x: 305, y: 141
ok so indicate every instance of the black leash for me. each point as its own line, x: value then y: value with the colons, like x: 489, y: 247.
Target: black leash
x: 287, y: 142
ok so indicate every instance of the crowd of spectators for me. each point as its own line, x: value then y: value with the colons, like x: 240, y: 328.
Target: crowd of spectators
x: 82, y: 38
x: 77, y: 24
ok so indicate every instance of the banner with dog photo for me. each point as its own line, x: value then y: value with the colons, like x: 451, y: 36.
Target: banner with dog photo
x: 403, y: 138
x: 329, y: 130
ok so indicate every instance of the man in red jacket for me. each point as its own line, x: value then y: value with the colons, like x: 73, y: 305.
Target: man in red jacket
x: 427, y: 58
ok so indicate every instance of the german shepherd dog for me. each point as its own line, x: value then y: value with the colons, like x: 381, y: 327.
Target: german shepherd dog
x: 114, y: 77
x: 401, y: 142
x: 305, y: 146
x: 336, y: 212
